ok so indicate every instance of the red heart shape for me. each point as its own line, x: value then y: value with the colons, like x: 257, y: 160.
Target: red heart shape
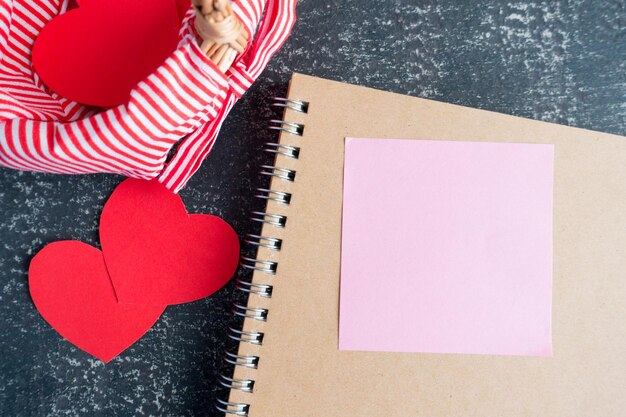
x: 156, y: 253
x: 183, y: 7
x: 97, y: 53
x: 70, y: 287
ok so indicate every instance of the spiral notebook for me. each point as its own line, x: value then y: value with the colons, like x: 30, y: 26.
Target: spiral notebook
x: 288, y: 362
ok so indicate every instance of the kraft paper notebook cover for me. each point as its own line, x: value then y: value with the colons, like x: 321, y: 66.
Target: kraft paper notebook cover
x: 289, y: 364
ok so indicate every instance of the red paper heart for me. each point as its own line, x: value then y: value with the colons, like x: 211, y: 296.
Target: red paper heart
x: 71, y: 289
x: 183, y: 7
x: 156, y: 253
x: 96, y: 53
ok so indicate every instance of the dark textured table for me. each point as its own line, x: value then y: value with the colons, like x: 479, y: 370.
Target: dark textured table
x: 554, y: 60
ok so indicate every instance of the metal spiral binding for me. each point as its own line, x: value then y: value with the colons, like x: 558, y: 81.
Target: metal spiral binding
x: 249, y: 312
x: 292, y: 128
x: 268, y: 267
x: 245, y: 385
x: 278, y: 196
x: 286, y: 150
x: 265, y: 242
x: 282, y: 173
x: 256, y: 338
x: 247, y: 361
x: 297, y: 105
x: 277, y: 220
x: 236, y: 409
x: 259, y: 265
x: 251, y: 288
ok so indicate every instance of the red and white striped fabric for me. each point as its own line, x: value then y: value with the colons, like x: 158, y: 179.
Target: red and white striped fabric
x: 186, y: 98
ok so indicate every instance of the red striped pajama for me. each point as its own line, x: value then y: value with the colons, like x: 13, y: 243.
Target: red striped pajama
x: 187, y: 98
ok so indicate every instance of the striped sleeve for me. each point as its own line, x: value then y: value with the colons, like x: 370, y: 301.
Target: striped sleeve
x: 5, y: 25
x: 133, y: 139
x: 194, y: 150
x: 278, y: 20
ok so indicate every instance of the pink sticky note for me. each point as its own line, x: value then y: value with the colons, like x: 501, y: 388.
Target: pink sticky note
x: 447, y: 247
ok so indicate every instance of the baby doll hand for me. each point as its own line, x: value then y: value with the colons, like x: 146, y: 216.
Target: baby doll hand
x: 223, y: 34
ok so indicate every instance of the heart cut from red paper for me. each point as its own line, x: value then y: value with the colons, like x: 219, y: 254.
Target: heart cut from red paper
x: 183, y: 7
x: 97, y: 53
x: 70, y: 287
x: 156, y: 253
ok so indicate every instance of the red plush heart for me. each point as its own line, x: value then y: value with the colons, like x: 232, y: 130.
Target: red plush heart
x: 156, y: 253
x: 71, y: 289
x: 96, y: 53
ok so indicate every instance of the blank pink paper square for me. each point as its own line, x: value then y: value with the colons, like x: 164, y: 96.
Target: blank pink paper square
x: 447, y: 247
